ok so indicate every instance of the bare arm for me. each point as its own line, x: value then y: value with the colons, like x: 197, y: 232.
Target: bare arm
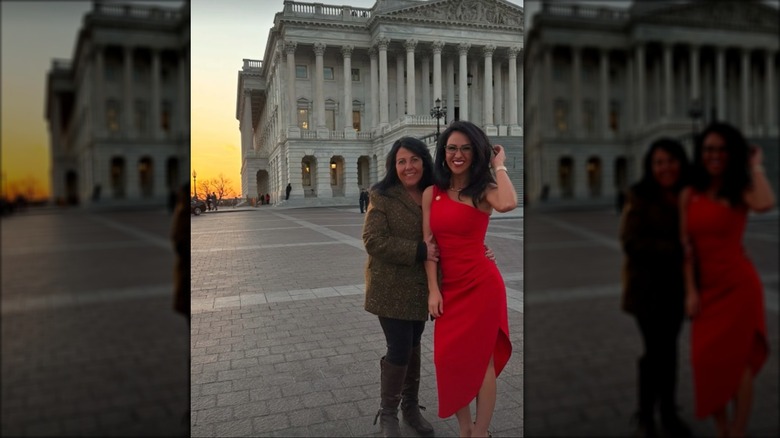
x: 503, y: 197
x: 435, y: 302
x: 758, y: 196
x: 691, y: 292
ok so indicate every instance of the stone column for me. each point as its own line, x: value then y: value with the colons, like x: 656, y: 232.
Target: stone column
x: 410, y: 80
x: 425, y: 99
x: 519, y: 95
x: 157, y: 130
x: 126, y: 119
x: 498, y: 98
x: 245, y: 126
x: 694, y: 61
x: 292, y: 101
x: 745, y: 101
x: 351, y: 189
x: 184, y: 114
x: 400, y: 88
x: 630, y: 111
x: 99, y: 117
x: 324, y: 189
x: 770, y: 97
x: 576, y: 99
x: 604, y: 89
x: 319, y: 85
x: 374, y: 106
x: 463, y: 49
x: 437, y: 48
x: 640, y: 85
x: 382, y: 43
x: 513, y: 51
x: 346, y: 52
x: 449, y: 81
x: 490, y: 128
x: 720, y: 82
x: 668, y: 78
x: 545, y: 94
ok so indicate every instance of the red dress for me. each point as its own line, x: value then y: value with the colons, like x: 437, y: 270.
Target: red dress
x: 474, y: 323
x: 729, y: 333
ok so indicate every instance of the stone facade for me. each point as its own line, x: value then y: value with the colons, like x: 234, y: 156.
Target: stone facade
x: 338, y: 85
x: 118, y: 112
x: 603, y: 83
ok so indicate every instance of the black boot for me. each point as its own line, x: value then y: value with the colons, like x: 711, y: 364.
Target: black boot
x: 644, y: 418
x: 409, y: 397
x: 392, y: 381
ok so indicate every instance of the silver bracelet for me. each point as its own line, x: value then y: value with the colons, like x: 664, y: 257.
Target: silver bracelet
x: 500, y: 168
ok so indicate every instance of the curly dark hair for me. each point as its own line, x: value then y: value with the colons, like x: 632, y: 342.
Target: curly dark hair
x: 648, y: 187
x: 479, y: 172
x: 418, y: 148
x: 736, y: 177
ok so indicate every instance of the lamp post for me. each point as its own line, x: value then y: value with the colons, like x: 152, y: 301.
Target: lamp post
x: 439, y: 112
x: 694, y: 112
x: 195, y: 183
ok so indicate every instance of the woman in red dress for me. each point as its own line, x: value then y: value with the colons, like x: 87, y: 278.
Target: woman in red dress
x: 724, y: 295
x: 471, y: 335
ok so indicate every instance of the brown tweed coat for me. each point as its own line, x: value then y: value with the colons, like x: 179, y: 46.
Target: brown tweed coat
x: 653, y: 258
x: 396, y: 285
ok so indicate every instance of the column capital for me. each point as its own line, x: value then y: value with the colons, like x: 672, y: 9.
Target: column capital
x: 463, y: 48
x: 247, y: 92
x: 513, y: 51
x: 437, y: 46
x: 319, y: 48
x: 346, y: 51
x: 289, y: 47
x: 410, y: 44
x: 382, y: 42
x: 372, y: 52
x: 488, y: 50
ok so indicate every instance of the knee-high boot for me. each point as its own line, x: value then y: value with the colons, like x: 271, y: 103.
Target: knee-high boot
x: 392, y: 381
x: 647, y: 398
x: 410, y: 406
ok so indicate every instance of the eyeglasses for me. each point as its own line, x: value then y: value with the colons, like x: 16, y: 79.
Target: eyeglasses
x: 451, y: 149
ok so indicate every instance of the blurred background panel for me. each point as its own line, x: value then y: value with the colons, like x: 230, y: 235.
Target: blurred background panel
x: 95, y: 150
x: 603, y: 79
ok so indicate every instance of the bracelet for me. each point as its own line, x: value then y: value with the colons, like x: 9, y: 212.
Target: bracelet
x: 497, y: 168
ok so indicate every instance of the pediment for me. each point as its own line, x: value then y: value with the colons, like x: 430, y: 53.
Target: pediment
x: 464, y: 12
x: 748, y: 14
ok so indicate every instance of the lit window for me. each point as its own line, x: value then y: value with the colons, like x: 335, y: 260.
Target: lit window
x: 112, y: 115
x: 356, y: 120
x: 561, y: 116
x: 303, y: 118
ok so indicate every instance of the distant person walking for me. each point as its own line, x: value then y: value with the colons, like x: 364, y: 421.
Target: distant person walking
x: 215, y: 200
x: 363, y: 200
x: 653, y: 285
x: 287, y: 191
x: 268, y: 198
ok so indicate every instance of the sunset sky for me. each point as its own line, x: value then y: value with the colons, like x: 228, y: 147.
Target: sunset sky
x: 223, y: 33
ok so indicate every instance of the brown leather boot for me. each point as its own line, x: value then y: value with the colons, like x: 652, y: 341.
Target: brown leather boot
x: 392, y: 381
x: 410, y: 407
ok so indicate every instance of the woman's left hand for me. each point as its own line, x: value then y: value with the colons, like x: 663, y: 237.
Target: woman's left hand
x: 498, y: 157
x: 489, y: 254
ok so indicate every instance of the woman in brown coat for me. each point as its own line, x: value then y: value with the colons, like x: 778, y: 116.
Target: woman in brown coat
x: 653, y: 285
x: 396, y: 285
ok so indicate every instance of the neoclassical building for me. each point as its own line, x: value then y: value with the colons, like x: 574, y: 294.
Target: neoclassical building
x: 118, y: 112
x: 603, y: 83
x: 337, y: 85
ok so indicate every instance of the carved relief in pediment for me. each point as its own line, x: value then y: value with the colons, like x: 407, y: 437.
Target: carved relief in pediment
x: 741, y: 14
x: 467, y: 11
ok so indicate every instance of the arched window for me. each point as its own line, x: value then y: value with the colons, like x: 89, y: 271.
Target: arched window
x: 594, y: 176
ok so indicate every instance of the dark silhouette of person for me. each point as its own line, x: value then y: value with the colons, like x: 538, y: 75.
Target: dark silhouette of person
x: 363, y: 200
x: 287, y: 191
x: 214, y: 200
x: 268, y: 198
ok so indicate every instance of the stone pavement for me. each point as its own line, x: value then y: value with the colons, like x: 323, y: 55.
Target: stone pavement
x: 280, y: 343
x: 581, y: 350
x: 90, y: 343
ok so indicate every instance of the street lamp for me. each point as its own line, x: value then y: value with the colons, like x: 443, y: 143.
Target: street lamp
x: 195, y: 183
x: 694, y: 112
x: 439, y: 112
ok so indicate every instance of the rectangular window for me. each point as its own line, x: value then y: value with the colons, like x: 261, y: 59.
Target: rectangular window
x: 589, y: 116
x: 303, y: 118
x: 330, y: 119
x: 141, y: 114
x: 301, y: 72
x: 355, y: 75
x: 328, y: 73
x: 165, y: 116
x: 356, y: 120
x: 112, y: 115
x: 561, y: 115
x: 614, y: 115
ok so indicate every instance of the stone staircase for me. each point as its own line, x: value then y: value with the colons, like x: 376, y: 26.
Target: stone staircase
x: 514, y: 161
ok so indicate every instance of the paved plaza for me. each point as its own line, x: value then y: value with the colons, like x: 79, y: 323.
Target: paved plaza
x: 90, y: 343
x: 581, y: 350
x: 280, y: 343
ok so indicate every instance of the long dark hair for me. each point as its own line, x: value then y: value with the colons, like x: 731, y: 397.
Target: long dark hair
x: 416, y: 147
x: 736, y: 177
x: 648, y: 187
x: 479, y: 172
